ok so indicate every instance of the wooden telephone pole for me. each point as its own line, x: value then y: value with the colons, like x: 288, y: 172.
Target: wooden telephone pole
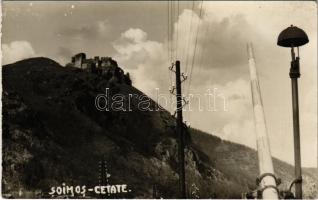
x: 180, y: 132
x: 180, y: 128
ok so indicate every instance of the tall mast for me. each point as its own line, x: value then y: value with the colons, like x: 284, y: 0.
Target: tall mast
x: 267, y: 179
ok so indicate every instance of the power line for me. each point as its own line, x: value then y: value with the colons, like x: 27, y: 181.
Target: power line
x: 169, y: 43
x: 171, y: 30
x: 183, y: 35
x: 195, y: 47
x: 204, y: 48
x: 189, y: 36
x: 168, y: 3
x: 177, y: 35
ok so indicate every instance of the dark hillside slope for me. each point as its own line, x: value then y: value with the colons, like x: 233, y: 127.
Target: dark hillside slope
x: 53, y: 133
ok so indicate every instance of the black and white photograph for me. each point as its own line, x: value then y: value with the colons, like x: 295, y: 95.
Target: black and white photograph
x: 159, y: 99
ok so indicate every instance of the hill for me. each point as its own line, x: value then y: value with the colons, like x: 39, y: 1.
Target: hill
x: 53, y: 134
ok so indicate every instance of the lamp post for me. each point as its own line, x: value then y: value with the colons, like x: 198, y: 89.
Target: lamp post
x: 293, y: 37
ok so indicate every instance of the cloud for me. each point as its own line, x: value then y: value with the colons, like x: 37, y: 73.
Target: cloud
x: 99, y: 29
x: 308, y: 127
x: 222, y: 38
x: 242, y: 132
x: 64, y: 55
x: 239, y: 100
x: 145, y: 60
x: 219, y: 45
x: 135, y: 50
x: 92, y: 38
x: 226, y: 42
x: 17, y: 50
x: 135, y: 34
x: 234, y: 99
x: 232, y: 117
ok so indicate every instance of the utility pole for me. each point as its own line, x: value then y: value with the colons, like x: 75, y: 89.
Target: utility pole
x: 294, y: 37
x: 180, y: 132
x: 179, y: 128
x: 294, y: 75
x: 154, y: 191
x: 102, y: 175
x: 267, y: 179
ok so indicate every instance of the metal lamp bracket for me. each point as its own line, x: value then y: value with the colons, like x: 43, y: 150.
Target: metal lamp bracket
x: 297, y: 180
x: 294, y: 68
x: 260, y: 178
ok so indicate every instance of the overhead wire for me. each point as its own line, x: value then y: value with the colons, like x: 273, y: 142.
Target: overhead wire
x: 189, y: 38
x: 195, y: 48
x: 193, y: 60
x: 173, y: 40
x: 187, y: 50
x: 168, y: 29
x: 203, y: 48
x: 177, y: 29
x: 169, y: 42
x: 172, y: 30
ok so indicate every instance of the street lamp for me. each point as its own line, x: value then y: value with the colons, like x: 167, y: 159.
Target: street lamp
x: 294, y: 37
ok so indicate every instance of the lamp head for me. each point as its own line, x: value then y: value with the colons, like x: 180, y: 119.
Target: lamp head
x: 292, y: 37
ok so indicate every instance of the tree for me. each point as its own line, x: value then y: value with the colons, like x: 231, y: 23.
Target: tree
x: 127, y: 79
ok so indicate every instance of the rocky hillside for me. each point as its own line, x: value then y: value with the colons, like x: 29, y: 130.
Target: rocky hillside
x: 53, y: 134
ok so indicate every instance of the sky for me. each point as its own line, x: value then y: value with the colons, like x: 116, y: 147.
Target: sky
x: 212, y: 43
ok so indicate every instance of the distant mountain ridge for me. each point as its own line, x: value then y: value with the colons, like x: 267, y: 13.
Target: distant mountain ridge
x: 53, y: 133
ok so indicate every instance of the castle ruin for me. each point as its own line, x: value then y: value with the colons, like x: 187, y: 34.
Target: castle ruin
x: 104, y: 66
